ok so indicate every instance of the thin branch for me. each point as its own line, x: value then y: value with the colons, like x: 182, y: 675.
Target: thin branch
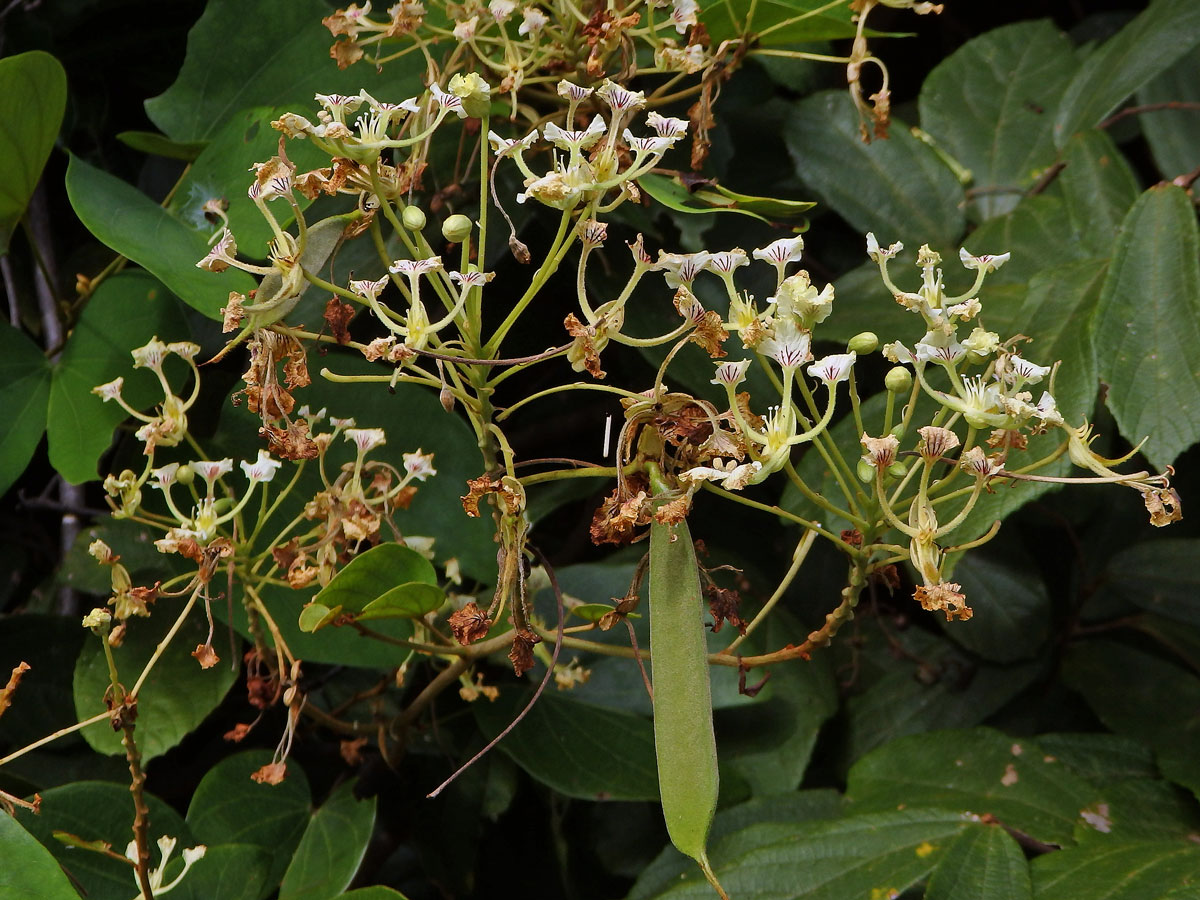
x: 1147, y: 107
x: 558, y: 643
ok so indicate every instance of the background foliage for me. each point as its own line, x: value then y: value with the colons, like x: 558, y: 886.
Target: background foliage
x: 1064, y: 718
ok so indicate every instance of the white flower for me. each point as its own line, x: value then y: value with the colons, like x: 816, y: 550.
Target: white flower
x: 1047, y: 410
x: 164, y: 476
x: 464, y: 31
x: 876, y: 253
x: 666, y: 126
x: 833, y: 368
x: 573, y: 92
x: 646, y: 144
x: 730, y: 475
x: 620, y: 99
x: 222, y: 255
x: 939, y: 348
x: 535, y: 21
x: 211, y: 471
x: 575, y: 140
x: 681, y: 268
x: 983, y: 343
x: 472, y: 279
x: 725, y: 262
x: 447, y: 101
x: 369, y: 290
x: 503, y: 146
x: 366, y: 438
x: 683, y: 14
x: 784, y: 250
x: 337, y: 105
x: 419, y: 465
x: 262, y: 469
x: 1025, y: 370
x: 789, y: 347
x: 982, y: 263
x: 414, y: 268
x: 150, y: 356
x: 502, y: 9
x: 110, y: 391
x: 183, y: 349
x: 731, y: 373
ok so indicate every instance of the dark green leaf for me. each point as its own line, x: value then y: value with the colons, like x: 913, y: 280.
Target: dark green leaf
x: 224, y: 170
x: 1173, y: 134
x: 94, y: 810
x: 154, y: 144
x: 25, y: 384
x: 875, y: 855
x: 1125, y: 871
x: 1099, y: 187
x: 979, y: 771
x: 42, y: 703
x: 33, y: 96
x: 373, y: 574
x: 1145, y: 47
x: 331, y: 849
x: 990, y: 105
x: 578, y: 749
x: 176, y: 696
x: 1158, y: 576
x: 899, y: 188
x: 29, y: 871
x: 1011, y: 608
x: 132, y: 224
x: 941, y: 688
x: 229, y: 808
x: 404, y: 601
x: 985, y: 863
x: 1144, y: 697
x: 817, y: 21
x: 673, y: 195
x: 126, y: 311
x: 229, y: 871
x: 281, y: 57
x: 1100, y: 758
x: 1147, y: 325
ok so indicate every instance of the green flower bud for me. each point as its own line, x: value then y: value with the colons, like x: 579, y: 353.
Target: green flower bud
x: 223, y: 505
x: 898, y: 380
x: 413, y: 218
x: 185, y: 475
x: 897, y: 469
x: 474, y: 92
x: 863, y: 343
x: 866, y: 472
x: 897, y: 432
x: 457, y: 229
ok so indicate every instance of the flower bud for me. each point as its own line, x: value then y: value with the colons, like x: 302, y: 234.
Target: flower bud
x: 863, y: 343
x: 898, y: 380
x: 457, y: 229
x: 866, y: 472
x: 897, y: 469
x: 413, y: 218
x: 185, y: 475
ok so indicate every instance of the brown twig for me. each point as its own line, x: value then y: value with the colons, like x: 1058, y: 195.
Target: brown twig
x: 558, y: 643
x: 515, y: 361
x: 1147, y: 107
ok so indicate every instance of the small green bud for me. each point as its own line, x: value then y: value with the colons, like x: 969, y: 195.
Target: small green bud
x: 898, y: 380
x: 863, y: 343
x: 897, y: 432
x: 185, y: 475
x: 457, y: 229
x: 976, y: 359
x: 223, y: 505
x: 413, y: 218
x: 866, y: 472
x: 474, y: 92
x: 897, y: 469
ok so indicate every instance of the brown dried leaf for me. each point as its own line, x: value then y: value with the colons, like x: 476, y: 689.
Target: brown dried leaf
x: 338, y: 316
x: 271, y: 773
x: 345, y: 53
x: 469, y: 624
x: 238, y: 732
x: 206, y: 656
x: 710, y: 333
x: 521, y: 652
x: 723, y: 604
x: 351, y: 750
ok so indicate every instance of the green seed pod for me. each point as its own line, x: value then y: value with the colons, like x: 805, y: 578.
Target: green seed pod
x: 413, y: 218
x: 897, y: 469
x: 898, y: 380
x: 185, y: 474
x: 863, y: 343
x: 223, y: 505
x: 683, y: 727
x: 457, y: 229
x: 866, y: 472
